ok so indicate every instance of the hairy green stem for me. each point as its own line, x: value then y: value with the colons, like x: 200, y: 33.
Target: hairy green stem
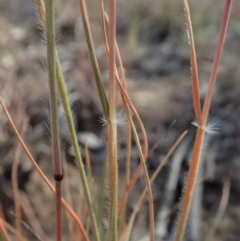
x: 74, y: 140
x: 112, y: 130
x: 58, y: 174
x: 93, y: 58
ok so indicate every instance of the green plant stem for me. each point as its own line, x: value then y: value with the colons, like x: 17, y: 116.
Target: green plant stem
x: 73, y: 136
x: 93, y: 58
x: 58, y: 174
x: 72, y: 132
x: 44, y: 178
x: 112, y: 130
x: 148, y: 185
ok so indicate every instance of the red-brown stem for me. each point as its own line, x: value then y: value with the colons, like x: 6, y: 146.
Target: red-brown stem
x: 3, y: 231
x: 195, y: 82
x: 112, y: 53
x: 191, y: 181
x: 58, y: 210
x: 216, y: 61
x: 15, y: 182
x: 196, y: 156
x: 45, y: 179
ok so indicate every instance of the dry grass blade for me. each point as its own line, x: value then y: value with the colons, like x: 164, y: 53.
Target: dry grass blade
x: 126, y: 233
x: 89, y: 41
x: 45, y: 179
x: 12, y: 230
x: 220, y: 212
x: 148, y: 184
x: 216, y: 61
x: 197, y: 149
x: 67, y: 110
x: 31, y: 216
x: 70, y: 222
x: 128, y: 105
x: 15, y: 181
x: 195, y: 82
x: 3, y: 231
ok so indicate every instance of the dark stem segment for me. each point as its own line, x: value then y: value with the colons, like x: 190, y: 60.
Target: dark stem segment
x: 51, y: 57
x: 58, y: 207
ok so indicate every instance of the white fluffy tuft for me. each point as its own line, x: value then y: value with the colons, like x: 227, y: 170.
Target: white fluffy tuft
x: 211, y: 128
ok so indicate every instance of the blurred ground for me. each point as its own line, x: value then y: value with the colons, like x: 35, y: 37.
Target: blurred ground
x: 154, y: 48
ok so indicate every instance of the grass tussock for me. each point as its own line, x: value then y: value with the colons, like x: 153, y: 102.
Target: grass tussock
x: 87, y: 223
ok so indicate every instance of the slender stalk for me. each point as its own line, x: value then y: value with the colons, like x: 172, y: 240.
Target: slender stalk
x: 196, y: 156
x: 217, y: 57
x: 128, y: 105
x: 93, y: 58
x: 29, y: 212
x: 11, y: 229
x: 112, y: 131
x: 51, y: 56
x: 15, y: 182
x: 45, y: 179
x: 67, y: 110
x: 191, y: 182
x: 73, y: 136
x: 195, y: 84
x: 126, y: 234
x: 220, y: 212
x: 148, y: 185
x: 3, y: 231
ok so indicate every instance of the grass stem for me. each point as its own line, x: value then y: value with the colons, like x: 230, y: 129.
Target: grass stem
x: 196, y: 155
x: 53, y: 88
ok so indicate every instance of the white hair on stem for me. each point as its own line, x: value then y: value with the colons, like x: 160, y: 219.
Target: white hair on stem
x: 211, y: 128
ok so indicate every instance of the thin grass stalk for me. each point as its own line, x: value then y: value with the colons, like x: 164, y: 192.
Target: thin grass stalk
x: 191, y: 182
x: 161, y: 138
x: 126, y: 234
x: 216, y: 61
x: 31, y: 216
x: 12, y: 229
x: 123, y: 88
x: 148, y: 185
x: 67, y: 110
x: 195, y: 82
x: 30, y: 229
x: 3, y: 231
x: 45, y: 179
x: 220, y: 212
x: 51, y: 57
x: 195, y: 161
x: 99, y: 211
x: 69, y: 200
x: 129, y: 136
x: 93, y: 58
x: 72, y: 132
x: 15, y: 182
x: 112, y: 131
x: 128, y: 104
